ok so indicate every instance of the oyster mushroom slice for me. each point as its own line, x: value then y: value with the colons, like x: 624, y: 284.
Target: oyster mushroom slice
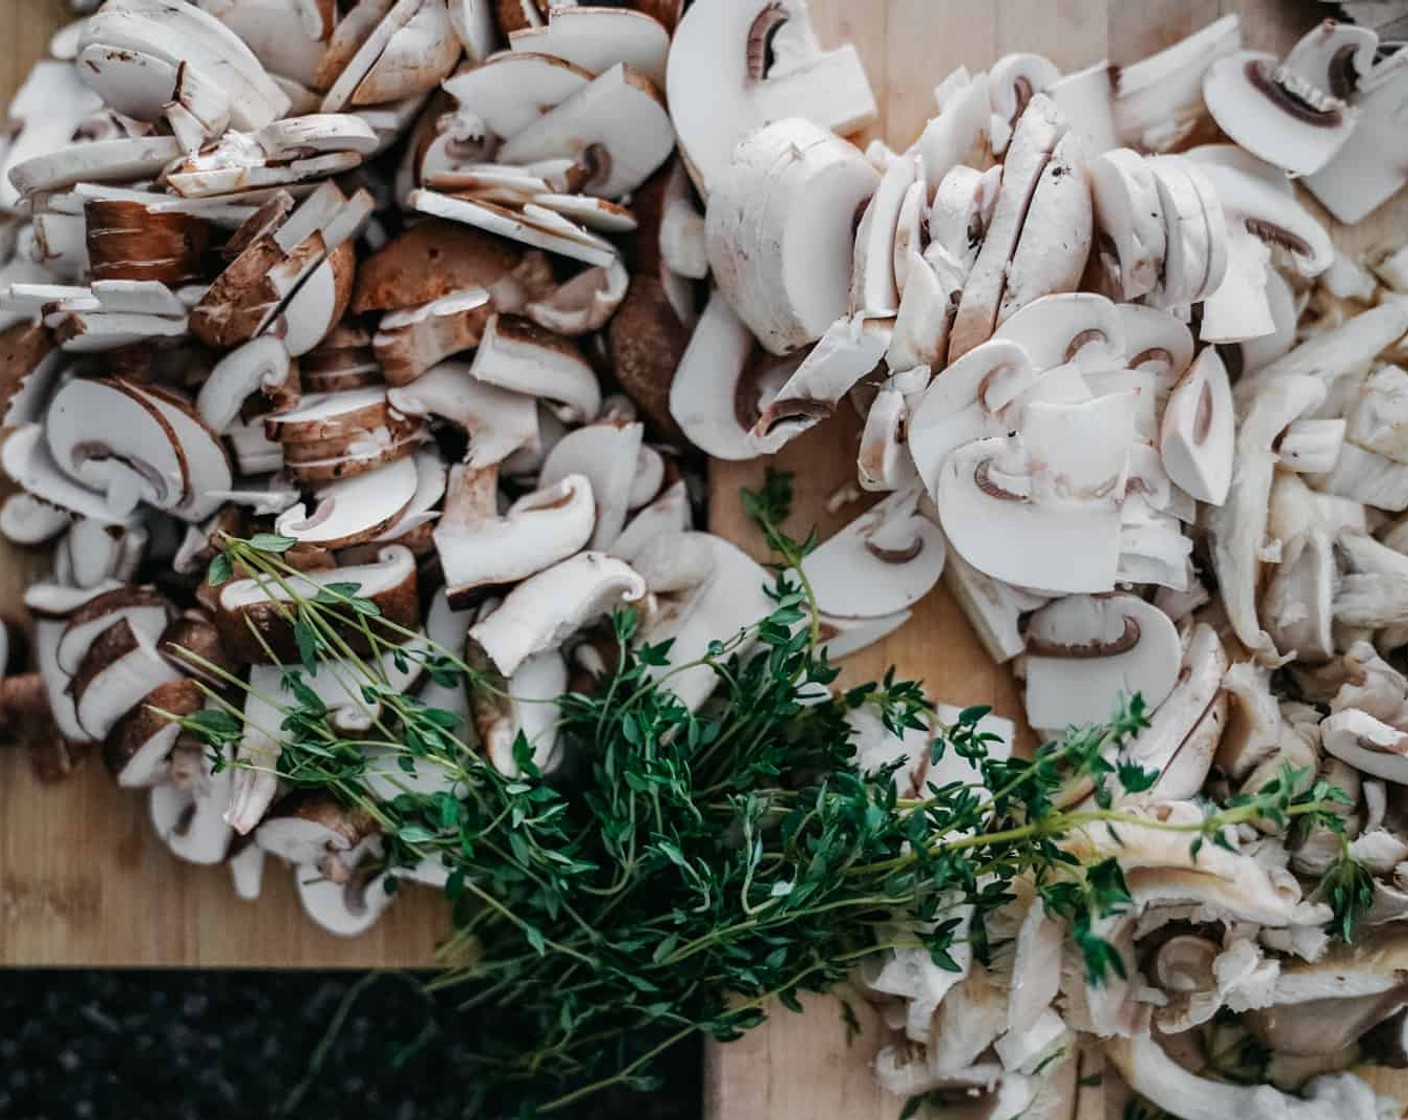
x: 481, y: 550
x: 734, y: 67
x: 1085, y: 653
x: 353, y: 510
x: 1198, y: 433
x: 884, y: 561
x: 545, y: 609
x: 990, y: 504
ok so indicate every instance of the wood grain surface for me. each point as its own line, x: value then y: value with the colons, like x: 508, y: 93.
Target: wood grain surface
x: 84, y: 881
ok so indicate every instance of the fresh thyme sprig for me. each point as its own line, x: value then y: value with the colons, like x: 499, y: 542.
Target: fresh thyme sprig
x: 684, y: 868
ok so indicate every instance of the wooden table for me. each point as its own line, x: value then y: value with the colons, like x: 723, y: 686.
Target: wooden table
x: 83, y: 881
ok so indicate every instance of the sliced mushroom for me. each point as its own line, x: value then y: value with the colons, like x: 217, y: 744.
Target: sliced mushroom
x: 597, y: 39
x: 607, y: 455
x: 137, y: 749
x: 1369, y: 168
x: 122, y: 662
x: 1159, y: 99
x: 527, y: 707
x: 499, y: 422
x: 519, y: 355
x: 352, y: 510
x: 186, y: 812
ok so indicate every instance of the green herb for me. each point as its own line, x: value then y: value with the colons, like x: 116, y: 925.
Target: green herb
x: 683, y: 869
x: 1348, y: 886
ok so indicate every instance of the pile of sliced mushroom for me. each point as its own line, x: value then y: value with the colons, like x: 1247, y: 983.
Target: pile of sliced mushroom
x: 1120, y: 392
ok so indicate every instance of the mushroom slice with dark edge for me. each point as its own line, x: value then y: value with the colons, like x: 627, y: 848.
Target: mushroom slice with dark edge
x: 481, y: 550
x: 186, y: 812
x: 26, y: 459
x: 346, y: 909
x: 608, y: 455
x: 547, y: 608
x: 527, y: 706
x: 511, y: 90
x: 261, y: 366
x: 143, y: 608
x: 729, y: 49
x: 414, y: 339
x: 884, y: 561
x: 518, y: 355
x: 137, y: 748
x: 389, y: 582
x: 352, y: 510
x: 310, y: 829
x: 322, y: 416
x: 492, y: 218
x: 121, y: 664
x: 1085, y: 653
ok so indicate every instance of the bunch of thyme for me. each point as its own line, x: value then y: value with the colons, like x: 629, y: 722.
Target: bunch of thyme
x: 683, y: 870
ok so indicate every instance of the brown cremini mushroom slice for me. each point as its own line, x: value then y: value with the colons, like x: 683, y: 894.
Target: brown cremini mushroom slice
x: 137, y: 749
x: 142, y: 608
x: 413, y: 340
x: 352, y: 510
x: 121, y: 663
x: 544, y: 610
x: 249, y: 607
x: 1086, y: 653
x: 481, y: 550
x: 311, y: 830
x: 883, y: 562
x: 736, y: 48
x: 647, y: 342
x: 526, y: 707
x: 518, y: 355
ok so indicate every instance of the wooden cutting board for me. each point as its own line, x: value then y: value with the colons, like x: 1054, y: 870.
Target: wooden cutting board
x: 83, y: 881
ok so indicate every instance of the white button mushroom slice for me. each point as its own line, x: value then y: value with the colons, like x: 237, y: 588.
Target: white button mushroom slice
x: 1129, y: 220
x: 1070, y: 327
x: 841, y: 637
x: 498, y: 422
x: 1198, y: 685
x: 48, y: 108
x: 344, y: 909
x: 143, y: 609
x: 1378, y: 418
x: 1153, y: 549
x: 1348, y: 348
x: 705, y: 391
x: 959, y: 216
x: 519, y: 355
x: 1237, y: 528
x: 1082, y: 449
x: 883, y: 461
x: 416, y: 58
x: 352, y: 510
x: 673, y: 563
x: 120, y: 161
x: 1086, y: 653
x: 1188, y: 248
x: 481, y: 550
x: 668, y: 513
x: 607, y: 454
x: 1012, y: 82
x: 1239, y: 309
x: 990, y: 503
x: 278, y: 32
x: 1331, y: 59
x: 1369, y: 169
x: 1159, y: 99
x: 25, y: 520
x: 495, y: 219
x: 513, y: 89
x: 547, y: 608
x: 187, y: 814
x: 960, y: 133
x: 649, y: 478
x: 1086, y: 99
x: 1275, y: 114
x: 875, y: 747
x: 801, y: 255
x: 873, y: 282
x: 617, y: 126
x: 919, y: 335
x: 1057, y: 232
x: 760, y: 62
x: 598, y: 38
x: 527, y: 707
x: 1367, y: 744
x: 884, y: 561
x: 121, y: 664
x: 850, y: 349
x: 91, y: 552
x: 137, y: 750
x: 967, y: 402
x: 1199, y: 430
x: 180, y: 34
x: 262, y: 366
x: 1039, y: 130
x: 721, y: 609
